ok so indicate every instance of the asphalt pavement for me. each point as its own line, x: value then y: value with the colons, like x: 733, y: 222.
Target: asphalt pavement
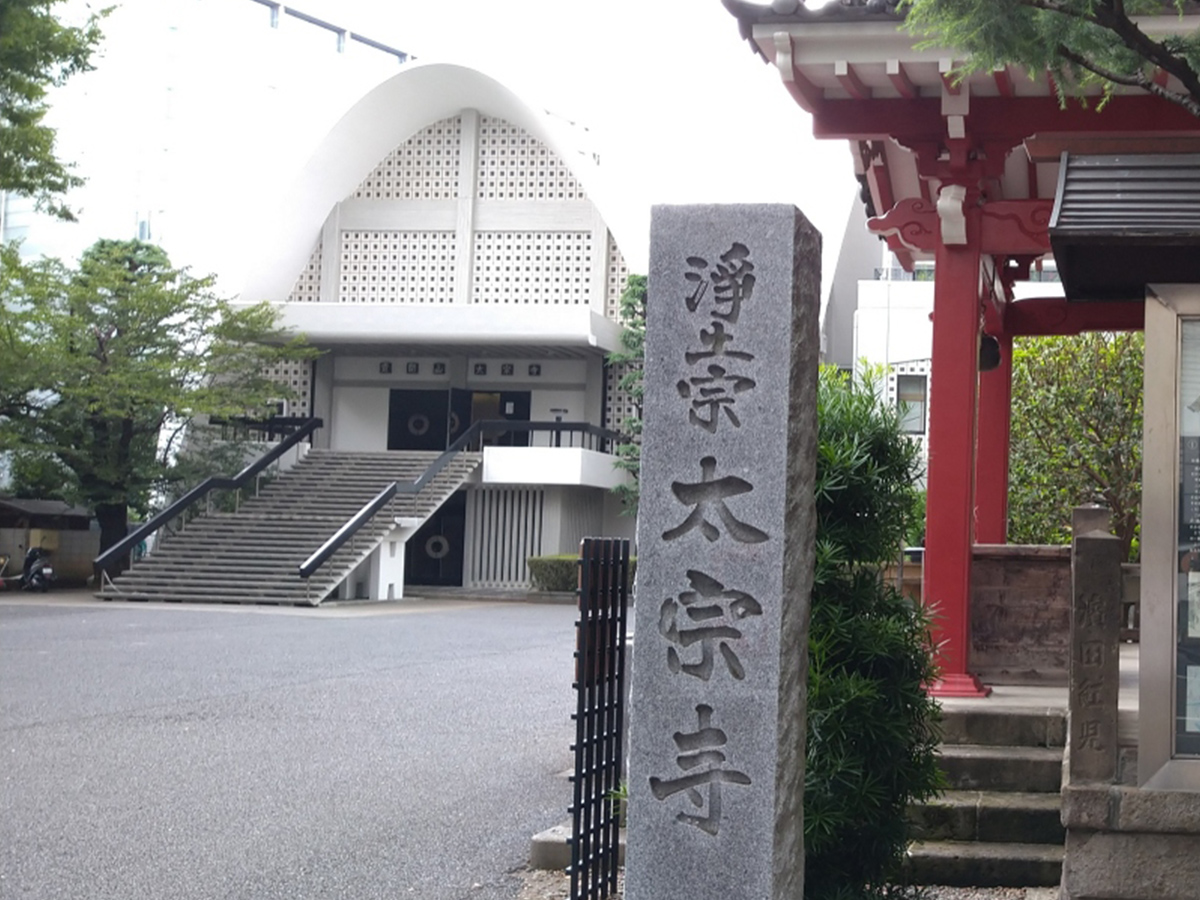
x: 372, y: 751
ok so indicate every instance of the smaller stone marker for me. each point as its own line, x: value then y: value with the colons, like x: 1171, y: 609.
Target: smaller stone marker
x: 725, y: 554
x: 1095, y: 674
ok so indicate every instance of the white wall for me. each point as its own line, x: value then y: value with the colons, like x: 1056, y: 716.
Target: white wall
x: 360, y: 418
x: 616, y: 523
x: 547, y: 406
x: 543, y: 405
x: 550, y: 465
x: 571, y: 514
x: 892, y: 322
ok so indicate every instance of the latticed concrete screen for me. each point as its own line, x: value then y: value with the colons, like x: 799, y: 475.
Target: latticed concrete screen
x: 514, y: 165
x: 618, y: 274
x: 297, y: 376
x: 425, y: 167
x: 397, y: 267
x: 308, y: 285
x: 548, y: 267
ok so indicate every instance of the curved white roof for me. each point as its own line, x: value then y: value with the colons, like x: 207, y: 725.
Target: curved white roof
x: 382, y: 120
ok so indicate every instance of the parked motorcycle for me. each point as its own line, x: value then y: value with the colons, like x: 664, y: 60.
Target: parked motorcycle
x: 37, y: 574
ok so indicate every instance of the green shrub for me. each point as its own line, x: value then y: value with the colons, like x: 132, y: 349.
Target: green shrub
x: 872, y: 730
x: 554, y: 573
x: 561, y: 572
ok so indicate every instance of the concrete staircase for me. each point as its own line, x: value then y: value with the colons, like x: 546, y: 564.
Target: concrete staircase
x: 999, y: 823
x: 252, y: 556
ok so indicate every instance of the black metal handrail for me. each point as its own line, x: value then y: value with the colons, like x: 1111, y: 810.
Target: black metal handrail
x: 343, y: 534
x: 199, y: 492
x: 477, y: 430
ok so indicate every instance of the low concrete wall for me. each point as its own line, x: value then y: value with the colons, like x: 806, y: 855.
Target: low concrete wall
x: 1021, y: 610
x: 71, y: 559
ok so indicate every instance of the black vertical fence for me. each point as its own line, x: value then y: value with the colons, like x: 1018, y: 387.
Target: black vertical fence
x: 599, y: 717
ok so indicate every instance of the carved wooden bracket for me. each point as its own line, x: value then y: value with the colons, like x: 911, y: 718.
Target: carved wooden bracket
x: 913, y: 222
x: 1017, y: 227
x: 1008, y: 227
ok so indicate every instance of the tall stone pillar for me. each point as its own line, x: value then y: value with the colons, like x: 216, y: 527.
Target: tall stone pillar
x: 725, y: 555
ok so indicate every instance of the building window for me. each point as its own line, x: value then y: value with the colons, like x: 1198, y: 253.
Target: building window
x: 911, y: 399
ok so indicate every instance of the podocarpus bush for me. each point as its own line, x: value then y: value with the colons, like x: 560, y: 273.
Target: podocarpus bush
x: 872, y: 730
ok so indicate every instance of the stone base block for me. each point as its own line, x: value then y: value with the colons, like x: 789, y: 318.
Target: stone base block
x: 1131, y: 866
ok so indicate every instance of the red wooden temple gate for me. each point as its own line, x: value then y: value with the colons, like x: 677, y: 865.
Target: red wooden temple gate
x: 965, y: 174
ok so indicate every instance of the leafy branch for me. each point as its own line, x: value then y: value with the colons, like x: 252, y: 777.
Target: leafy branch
x: 1083, y: 42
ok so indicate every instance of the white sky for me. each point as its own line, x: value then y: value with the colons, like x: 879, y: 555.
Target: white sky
x: 198, y: 109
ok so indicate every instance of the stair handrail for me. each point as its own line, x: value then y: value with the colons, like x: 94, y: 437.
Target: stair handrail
x: 343, y: 534
x: 199, y: 492
x: 360, y: 518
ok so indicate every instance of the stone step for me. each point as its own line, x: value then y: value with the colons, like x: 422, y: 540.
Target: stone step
x: 268, y: 534
x: 1004, y: 726
x: 990, y: 816
x: 273, y: 581
x: 994, y: 768
x: 252, y: 555
x: 277, y: 588
x: 984, y: 864
x: 212, y: 597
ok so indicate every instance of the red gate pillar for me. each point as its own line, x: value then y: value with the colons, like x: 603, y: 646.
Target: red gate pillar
x: 953, y: 400
x: 991, y: 457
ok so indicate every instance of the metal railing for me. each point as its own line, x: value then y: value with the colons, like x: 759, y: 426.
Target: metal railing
x: 589, y: 436
x: 347, y: 531
x: 124, y: 547
x: 561, y: 434
x: 599, y: 716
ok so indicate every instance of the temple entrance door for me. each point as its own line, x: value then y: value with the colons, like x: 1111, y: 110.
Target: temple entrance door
x: 460, y: 414
x: 514, y: 405
x: 434, y: 555
x: 417, y: 420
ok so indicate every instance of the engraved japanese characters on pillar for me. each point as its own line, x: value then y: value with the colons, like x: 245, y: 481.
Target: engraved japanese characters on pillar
x: 725, y: 542
x: 1095, y: 661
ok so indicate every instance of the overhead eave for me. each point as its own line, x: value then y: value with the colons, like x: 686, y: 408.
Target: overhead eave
x: 477, y: 329
x: 839, y: 52
x: 1122, y: 222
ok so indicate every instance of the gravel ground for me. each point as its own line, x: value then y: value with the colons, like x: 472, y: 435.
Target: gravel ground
x: 548, y: 885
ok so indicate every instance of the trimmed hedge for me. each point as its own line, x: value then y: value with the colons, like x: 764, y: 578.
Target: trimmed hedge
x: 554, y: 573
x: 561, y: 572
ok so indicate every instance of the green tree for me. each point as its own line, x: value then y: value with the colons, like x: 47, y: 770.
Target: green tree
x: 37, y: 53
x: 1076, y: 434
x: 872, y: 729
x: 630, y: 358
x: 105, y: 366
x: 1083, y: 42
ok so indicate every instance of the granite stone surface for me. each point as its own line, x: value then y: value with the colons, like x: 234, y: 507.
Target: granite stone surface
x: 725, y: 544
x: 1095, y: 676
x: 1124, y: 866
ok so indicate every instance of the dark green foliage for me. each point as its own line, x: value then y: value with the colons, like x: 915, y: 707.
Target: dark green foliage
x: 1084, y: 43
x: 39, y: 476
x: 1076, y: 434
x: 37, y: 53
x: 872, y: 730
x: 629, y: 358
x: 554, y: 573
x: 104, y: 366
